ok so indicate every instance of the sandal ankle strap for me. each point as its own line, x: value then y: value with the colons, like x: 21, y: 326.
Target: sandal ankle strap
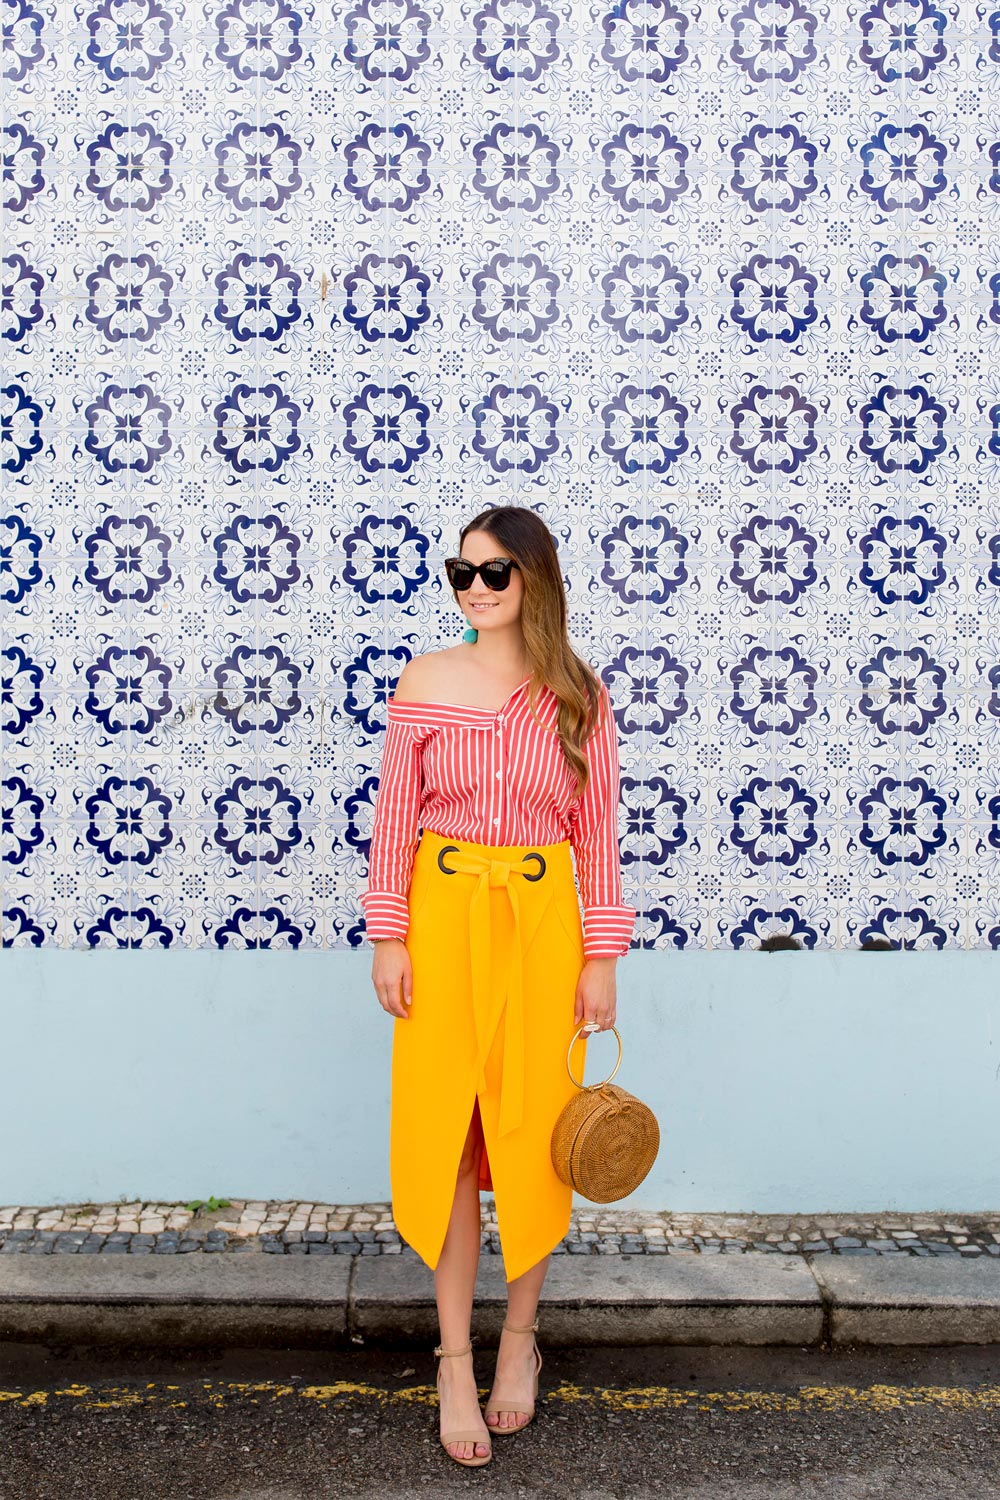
x: 529, y: 1328
x: 467, y: 1350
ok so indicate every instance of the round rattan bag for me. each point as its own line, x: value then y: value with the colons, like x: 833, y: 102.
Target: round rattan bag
x: 605, y: 1139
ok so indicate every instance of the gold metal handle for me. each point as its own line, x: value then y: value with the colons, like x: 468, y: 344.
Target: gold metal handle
x: 593, y: 1026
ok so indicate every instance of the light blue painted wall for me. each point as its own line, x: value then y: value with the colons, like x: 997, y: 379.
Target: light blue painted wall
x: 785, y: 1082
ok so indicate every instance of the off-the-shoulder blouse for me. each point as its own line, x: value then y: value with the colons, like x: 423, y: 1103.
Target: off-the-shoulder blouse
x: 495, y: 776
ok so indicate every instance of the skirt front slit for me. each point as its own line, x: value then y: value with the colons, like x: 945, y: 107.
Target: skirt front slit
x: 496, y: 948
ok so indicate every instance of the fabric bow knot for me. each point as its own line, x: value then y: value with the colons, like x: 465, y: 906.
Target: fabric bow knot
x: 495, y: 874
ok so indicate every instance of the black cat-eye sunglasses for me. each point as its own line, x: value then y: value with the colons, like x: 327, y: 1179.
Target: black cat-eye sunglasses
x: 495, y: 573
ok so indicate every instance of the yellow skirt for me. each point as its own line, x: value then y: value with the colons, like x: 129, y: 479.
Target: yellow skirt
x: 496, y: 948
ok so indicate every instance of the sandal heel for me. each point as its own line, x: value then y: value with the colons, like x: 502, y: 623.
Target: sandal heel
x: 495, y: 1405
x: 472, y: 1462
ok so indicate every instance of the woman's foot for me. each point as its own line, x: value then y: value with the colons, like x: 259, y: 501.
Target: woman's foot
x: 460, y: 1409
x: 515, y: 1374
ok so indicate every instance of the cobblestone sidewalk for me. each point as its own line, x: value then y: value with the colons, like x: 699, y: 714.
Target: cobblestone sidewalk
x: 368, y: 1229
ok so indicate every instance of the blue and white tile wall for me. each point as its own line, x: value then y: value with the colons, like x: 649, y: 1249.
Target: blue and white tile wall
x: 291, y: 291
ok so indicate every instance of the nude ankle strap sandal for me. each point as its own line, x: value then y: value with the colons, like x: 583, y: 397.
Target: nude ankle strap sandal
x: 497, y: 1404
x: 473, y: 1461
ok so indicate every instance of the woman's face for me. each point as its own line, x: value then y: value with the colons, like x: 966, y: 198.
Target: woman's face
x: 503, y: 607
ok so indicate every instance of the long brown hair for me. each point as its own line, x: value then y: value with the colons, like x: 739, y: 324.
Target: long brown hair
x: 524, y: 536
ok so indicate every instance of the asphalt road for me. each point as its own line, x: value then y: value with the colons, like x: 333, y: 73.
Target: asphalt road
x: 618, y: 1424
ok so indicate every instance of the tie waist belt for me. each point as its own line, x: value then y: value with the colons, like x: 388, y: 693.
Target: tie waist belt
x: 496, y: 873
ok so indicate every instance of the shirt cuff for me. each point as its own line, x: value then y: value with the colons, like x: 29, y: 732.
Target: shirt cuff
x: 387, y: 915
x: 607, y: 931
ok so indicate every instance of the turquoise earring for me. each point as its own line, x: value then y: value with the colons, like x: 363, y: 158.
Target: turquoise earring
x: 472, y: 634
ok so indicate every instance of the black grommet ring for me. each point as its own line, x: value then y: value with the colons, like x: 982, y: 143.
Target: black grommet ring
x: 541, y: 872
x: 447, y: 849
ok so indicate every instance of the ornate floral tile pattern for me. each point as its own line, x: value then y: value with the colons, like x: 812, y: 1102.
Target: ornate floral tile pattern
x: 290, y: 291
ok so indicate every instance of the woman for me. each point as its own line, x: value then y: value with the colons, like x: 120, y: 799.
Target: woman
x: 479, y: 951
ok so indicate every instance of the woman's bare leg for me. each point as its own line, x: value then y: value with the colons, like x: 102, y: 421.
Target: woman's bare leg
x: 515, y: 1369
x: 454, y: 1287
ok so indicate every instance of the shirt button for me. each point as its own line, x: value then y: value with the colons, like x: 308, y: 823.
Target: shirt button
x: 495, y: 822
x: 498, y: 776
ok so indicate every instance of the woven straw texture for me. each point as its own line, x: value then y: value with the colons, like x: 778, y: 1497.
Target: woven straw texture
x: 604, y: 1142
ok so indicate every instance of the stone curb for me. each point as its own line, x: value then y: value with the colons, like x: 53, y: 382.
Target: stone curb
x: 264, y: 1301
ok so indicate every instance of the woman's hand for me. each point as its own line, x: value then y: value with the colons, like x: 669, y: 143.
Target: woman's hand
x: 392, y: 977
x: 595, y: 993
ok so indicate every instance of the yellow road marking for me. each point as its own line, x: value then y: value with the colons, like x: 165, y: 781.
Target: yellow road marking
x: 811, y: 1398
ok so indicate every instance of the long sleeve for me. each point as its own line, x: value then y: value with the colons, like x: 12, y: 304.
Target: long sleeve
x: 607, y: 922
x: 394, y: 834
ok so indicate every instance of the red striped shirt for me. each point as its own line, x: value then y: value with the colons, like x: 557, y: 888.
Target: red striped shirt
x: 495, y: 776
